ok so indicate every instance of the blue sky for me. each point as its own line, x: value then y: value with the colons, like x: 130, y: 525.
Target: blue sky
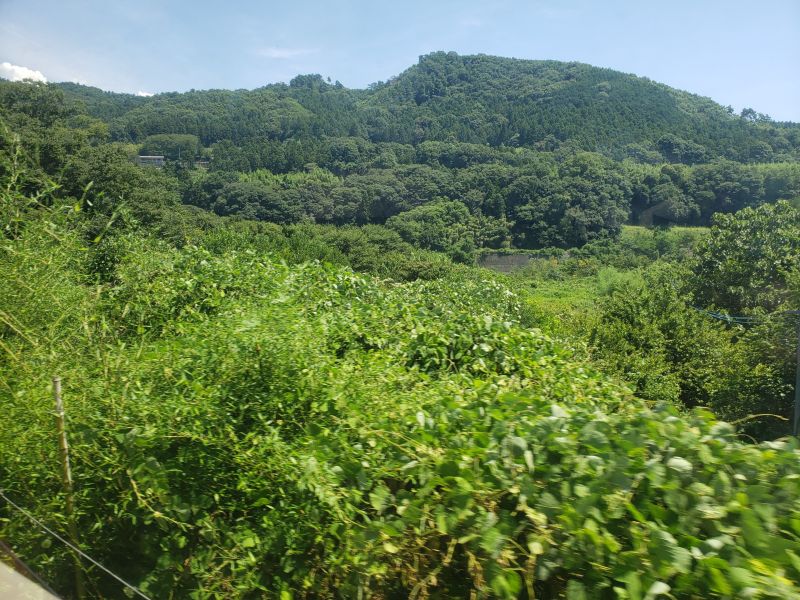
x: 738, y: 53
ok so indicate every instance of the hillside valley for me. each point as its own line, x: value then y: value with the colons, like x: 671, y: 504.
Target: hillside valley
x: 286, y: 375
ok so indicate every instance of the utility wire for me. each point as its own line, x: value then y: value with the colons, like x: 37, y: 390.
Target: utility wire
x: 74, y: 548
x: 738, y: 319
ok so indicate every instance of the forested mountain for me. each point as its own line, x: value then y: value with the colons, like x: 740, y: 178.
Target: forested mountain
x: 535, y: 154
x: 474, y: 99
x: 281, y: 381
x: 484, y: 99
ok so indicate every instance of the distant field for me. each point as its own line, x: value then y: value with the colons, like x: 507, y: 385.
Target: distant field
x: 562, y: 292
x: 630, y: 232
x: 563, y: 308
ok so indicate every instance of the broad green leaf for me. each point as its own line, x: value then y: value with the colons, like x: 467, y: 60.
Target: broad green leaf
x: 390, y: 548
x: 379, y: 497
x: 576, y: 590
x: 681, y: 465
x: 719, y: 583
x: 658, y: 588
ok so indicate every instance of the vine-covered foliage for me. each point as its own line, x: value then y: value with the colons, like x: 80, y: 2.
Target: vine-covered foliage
x: 746, y: 261
x: 240, y: 427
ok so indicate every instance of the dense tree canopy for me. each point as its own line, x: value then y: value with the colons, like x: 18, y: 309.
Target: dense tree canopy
x: 249, y: 417
x: 557, y: 154
x: 747, y: 260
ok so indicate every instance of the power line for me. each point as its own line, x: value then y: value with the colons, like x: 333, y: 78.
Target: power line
x: 74, y: 548
x: 736, y: 319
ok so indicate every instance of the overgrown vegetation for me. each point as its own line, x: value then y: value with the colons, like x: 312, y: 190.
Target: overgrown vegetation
x: 309, y: 395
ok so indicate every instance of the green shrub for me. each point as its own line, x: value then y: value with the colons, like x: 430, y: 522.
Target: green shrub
x: 241, y: 428
x: 670, y: 351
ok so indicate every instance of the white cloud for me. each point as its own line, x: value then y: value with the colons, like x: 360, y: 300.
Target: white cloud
x: 282, y: 53
x: 144, y: 94
x: 18, y: 73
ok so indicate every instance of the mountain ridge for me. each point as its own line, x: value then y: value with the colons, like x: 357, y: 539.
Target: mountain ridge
x: 478, y: 99
x: 77, y: 88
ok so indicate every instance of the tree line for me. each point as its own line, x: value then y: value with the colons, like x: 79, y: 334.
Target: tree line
x: 316, y: 152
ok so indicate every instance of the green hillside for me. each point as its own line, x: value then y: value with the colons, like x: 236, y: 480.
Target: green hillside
x: 473, y: 99
x: 485, y: 99
x: 285, y: 375
x: 241, y: 428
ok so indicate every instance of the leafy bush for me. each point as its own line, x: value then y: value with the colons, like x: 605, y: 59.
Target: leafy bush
x: 242, y: 428
x: 744, y: 262
x: 670, y: 351
x: 444, y: 226
x: 317, y: 433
